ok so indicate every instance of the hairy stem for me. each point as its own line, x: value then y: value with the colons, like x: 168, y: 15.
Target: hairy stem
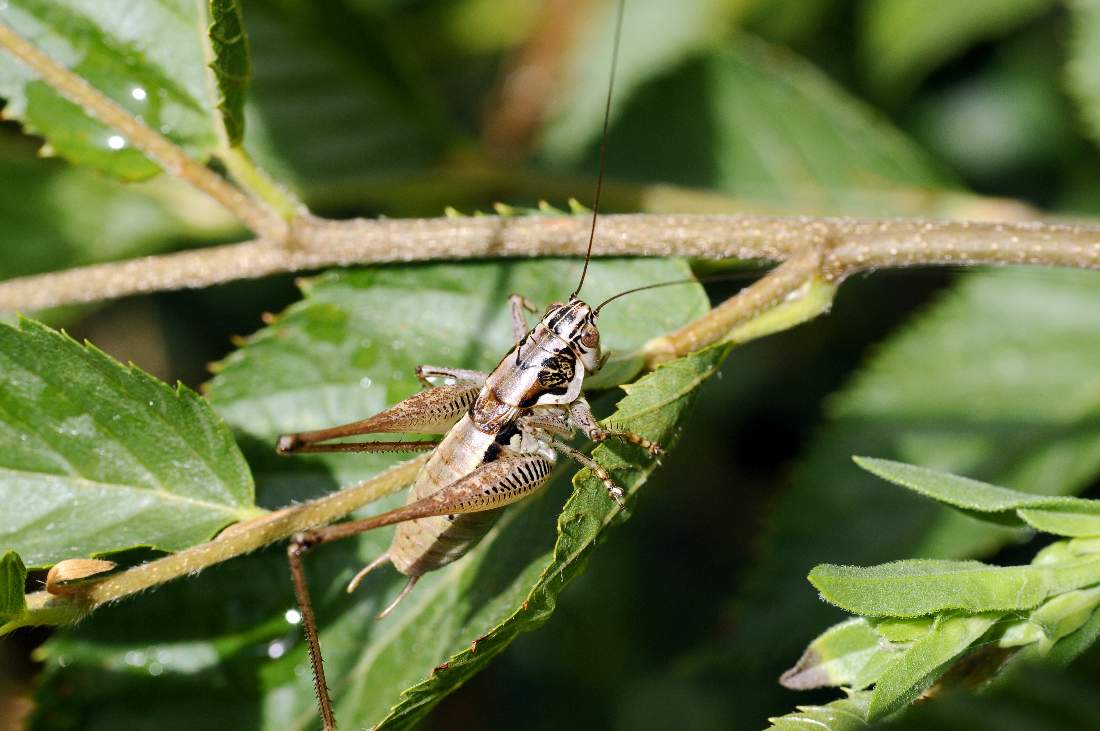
x: 784, y: 282
x: 256, y: 216
x: 244, y: 170
x: 238, y: 539
x: 845, y: 246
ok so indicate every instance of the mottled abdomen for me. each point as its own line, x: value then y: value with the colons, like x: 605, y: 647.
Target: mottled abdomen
x: 424, y: 545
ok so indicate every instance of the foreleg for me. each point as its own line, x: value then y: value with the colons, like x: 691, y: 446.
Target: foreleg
x: 518, y: 303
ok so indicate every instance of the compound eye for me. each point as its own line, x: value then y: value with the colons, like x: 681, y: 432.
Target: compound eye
x: 590, y: 338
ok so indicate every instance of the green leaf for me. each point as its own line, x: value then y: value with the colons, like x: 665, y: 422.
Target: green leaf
x: 361, y: 124
x: 231, y: 65
x: 851, y: 653
x: 13, y: 579
x: 846, y: 714
x: 1012, y: 354
x: 1064, y: 614
x: 919, y: 666
x: 653, y: 40
x: 903, y: 40
x: 1067, y: 520
x: 1065, y: 516
x: 902, y: 629
x: 925, y: 586
x: 828, y: 142
x: 62, y: 216
x: 1069, y: 648
x: 788, y: 21
x: 98, y: 457
x: 150, y: 62
x: 762, y: 124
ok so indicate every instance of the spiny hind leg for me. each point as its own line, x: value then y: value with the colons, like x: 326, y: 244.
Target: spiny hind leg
x: 297, y: 548
x: 433, y: 411
x: 300, y: 544
x: 581, y: 417
x: 460, y: 375
x: 510, y: 478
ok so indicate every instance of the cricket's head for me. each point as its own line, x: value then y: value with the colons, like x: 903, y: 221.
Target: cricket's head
x: 575, y: 323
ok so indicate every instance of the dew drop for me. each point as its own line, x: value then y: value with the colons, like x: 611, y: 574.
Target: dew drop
x: 115, y: 142
x: 155, y: 669
x: 276, y: 649
x: 293, y: 616
x: 133, y: 657
x: 138, y: 93
x: 365, y: 382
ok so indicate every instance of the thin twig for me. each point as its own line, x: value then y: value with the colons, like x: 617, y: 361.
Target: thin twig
x: 258, y: 217
x: 846, y: 245
x: 784, y: 281
x: 237, y: 540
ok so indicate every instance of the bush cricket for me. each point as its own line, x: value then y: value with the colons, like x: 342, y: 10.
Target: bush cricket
x: 502, y: 432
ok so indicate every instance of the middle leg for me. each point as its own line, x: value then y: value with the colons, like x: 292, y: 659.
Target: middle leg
x: 544, y: 426
x: 581, y: 417
x: 613, y: 490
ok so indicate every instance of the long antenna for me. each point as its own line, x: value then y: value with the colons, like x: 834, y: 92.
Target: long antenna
x: 731, y: 276
x: 643, y: 288
x: 603, y: 146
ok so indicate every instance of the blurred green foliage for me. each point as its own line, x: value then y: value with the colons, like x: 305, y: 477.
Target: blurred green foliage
x: 687, y: 615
